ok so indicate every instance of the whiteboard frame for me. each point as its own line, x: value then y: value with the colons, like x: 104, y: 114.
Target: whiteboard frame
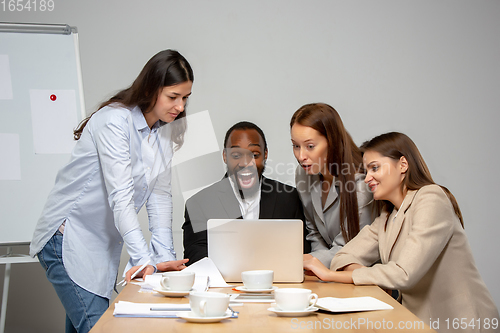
x: 62, y: 29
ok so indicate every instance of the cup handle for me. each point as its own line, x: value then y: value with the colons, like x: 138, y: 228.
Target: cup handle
x: 313, y: 298
x: 203, y: 308
x: 164, y: 282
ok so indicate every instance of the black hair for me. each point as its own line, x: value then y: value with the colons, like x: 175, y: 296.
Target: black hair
x: 245, y: 125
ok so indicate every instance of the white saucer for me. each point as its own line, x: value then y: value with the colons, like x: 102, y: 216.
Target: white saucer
x: 245, y: 289
x: 192, y: 318
x: 172, y: 293
x: 302, y: 313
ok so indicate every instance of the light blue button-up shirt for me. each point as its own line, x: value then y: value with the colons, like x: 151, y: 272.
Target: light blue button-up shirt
x: 118, y: 164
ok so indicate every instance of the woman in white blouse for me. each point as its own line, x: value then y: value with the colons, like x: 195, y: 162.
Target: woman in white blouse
x: 120, y: 162
x: 329, y: 178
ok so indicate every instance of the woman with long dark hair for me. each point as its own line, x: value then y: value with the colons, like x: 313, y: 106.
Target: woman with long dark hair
x: 120, y: 162
x: 419, y: 239
x: 329, y: 179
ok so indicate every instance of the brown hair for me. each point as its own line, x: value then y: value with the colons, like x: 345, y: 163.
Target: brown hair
x: 166, y: 68
x: 395, y: 145
x: 342, y: 152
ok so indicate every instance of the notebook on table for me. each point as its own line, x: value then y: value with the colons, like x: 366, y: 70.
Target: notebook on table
x: 242, y: 245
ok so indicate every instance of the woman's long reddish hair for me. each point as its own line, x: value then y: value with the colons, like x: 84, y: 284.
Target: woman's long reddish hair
x: 344, y: 159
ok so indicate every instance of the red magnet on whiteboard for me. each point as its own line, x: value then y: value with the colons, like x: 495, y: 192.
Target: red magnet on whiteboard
x: 53, y: 97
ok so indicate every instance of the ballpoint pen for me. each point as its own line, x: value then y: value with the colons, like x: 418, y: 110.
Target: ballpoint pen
x: 169, y: 309
x: 123, y: 282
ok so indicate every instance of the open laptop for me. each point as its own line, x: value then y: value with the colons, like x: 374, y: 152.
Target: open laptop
x: 242, y: 245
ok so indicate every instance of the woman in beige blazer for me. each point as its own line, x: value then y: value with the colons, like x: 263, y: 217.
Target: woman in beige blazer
x: 420, y: 241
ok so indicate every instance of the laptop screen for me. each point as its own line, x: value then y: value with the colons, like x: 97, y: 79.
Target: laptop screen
x: 243, y: 245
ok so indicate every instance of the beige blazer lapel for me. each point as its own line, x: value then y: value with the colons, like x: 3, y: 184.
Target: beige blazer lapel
x: 394, y: 227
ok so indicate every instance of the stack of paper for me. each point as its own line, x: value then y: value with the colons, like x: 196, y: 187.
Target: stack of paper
x: 206, y: 267
x: 353, y: 304
x: 161, y: 310
x: 206, y: 275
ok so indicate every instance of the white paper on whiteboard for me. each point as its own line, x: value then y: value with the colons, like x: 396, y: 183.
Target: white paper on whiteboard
x: 199, y: 138
x: 10, y: 161
x: 53, y: 120
x: 5, y: 79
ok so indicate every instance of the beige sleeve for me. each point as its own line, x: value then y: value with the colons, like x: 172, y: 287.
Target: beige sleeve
x: 362, y: 249
x: 432, y: 217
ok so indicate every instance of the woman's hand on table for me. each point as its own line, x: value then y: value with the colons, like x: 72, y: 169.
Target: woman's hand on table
x: 146, y: 271
x: 174, y: 265
x: 313, y: 266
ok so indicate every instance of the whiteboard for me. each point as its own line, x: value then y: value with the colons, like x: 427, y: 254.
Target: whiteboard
x: 41, y: 102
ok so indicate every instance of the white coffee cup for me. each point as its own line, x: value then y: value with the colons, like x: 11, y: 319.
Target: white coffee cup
x: 177, y: 280
x: 208, y: 304
x: 259, y: 279
x: 294, y: 299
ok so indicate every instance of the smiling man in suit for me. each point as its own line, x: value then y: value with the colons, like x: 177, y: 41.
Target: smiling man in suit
x: 243, y: 192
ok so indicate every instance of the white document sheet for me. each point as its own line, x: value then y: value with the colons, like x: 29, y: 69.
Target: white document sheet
x: 163, y: 310
x: 206, y: 267
x: 54, y: 116
x: 352, y: 304
x: 5, y: 78
x: 10, y: 161
x: 152, y: 282
x: 199, y: 138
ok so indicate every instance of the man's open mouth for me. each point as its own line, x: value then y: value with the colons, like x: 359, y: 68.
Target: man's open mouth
x: 246, y: 179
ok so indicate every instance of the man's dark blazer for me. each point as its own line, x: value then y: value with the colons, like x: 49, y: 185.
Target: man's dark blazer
x: 218, y: 201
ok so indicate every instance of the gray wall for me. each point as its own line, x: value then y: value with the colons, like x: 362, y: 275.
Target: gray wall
x: 426, y: 68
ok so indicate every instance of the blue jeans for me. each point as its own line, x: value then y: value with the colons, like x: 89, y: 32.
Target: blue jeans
x: 83, y: 308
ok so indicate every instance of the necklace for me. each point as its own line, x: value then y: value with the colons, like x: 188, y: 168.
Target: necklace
x: 399, y: 209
